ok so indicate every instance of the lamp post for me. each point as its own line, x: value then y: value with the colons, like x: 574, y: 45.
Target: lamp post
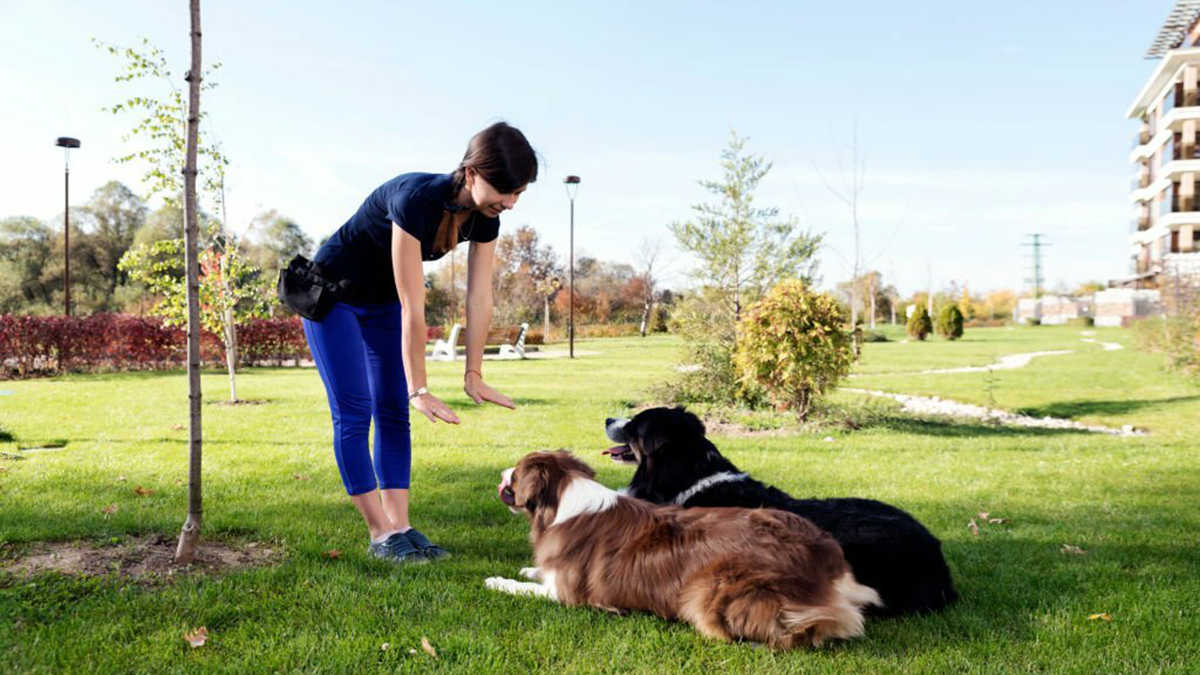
x: 66, y: 143
x: 572, y: 184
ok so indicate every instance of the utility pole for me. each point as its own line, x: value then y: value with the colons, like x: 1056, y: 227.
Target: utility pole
x: 1037, y: 244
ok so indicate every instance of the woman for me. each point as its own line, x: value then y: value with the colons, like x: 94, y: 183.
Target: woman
x: 370, y: 348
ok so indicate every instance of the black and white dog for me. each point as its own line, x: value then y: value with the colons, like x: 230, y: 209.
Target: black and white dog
x: 888, y: 549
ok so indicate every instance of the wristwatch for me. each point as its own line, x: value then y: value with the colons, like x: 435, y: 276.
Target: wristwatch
x: 418, y: 392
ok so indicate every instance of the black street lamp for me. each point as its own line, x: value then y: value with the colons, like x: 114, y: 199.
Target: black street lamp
x: 572, y: 183
x: 66, y: 143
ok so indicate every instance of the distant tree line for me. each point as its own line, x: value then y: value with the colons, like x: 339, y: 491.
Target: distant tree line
x: 112, y: 222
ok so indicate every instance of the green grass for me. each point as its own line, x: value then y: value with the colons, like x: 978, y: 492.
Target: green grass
x: 1130, y: 502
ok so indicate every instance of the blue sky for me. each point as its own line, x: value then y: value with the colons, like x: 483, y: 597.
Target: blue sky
x: 979, y: 122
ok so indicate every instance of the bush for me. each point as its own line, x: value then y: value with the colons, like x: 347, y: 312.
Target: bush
x: 707, y: 373
x: 1030, y: 321
x: 919, y: 324
x: 793, y: 343
x: 271, y: 341
x: 950, y: 322
x: 1082, y: 322
x: 1176, y: 337
x: 874, y: 336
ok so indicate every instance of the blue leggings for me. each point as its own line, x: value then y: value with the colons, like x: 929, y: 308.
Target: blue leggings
x: 357, y: 350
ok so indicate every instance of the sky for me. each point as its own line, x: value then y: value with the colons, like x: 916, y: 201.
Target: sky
x: 976, y: 123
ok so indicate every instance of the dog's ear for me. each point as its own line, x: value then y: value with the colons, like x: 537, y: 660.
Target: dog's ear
x: 530, y: 481
x: 570, y: 462
x: 691, y: 423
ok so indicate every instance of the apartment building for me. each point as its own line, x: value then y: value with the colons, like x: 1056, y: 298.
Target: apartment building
x: 1165, y: 231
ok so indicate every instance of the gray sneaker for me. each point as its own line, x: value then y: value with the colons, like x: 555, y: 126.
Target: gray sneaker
x: 398, y: 549
x: 427, y: 548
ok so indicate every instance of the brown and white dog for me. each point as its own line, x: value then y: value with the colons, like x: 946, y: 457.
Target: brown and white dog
x: 735, y: 574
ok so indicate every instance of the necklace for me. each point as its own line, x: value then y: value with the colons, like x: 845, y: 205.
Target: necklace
x: 466, y: 236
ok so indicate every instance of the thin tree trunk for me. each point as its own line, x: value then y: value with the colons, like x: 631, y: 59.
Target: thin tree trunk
x: 872, y: 309
x: 645, y: 315
x: 231, y: 356
x: 189, y: 537
x: 546, y: 319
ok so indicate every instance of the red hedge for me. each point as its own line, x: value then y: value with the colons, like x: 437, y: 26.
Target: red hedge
x: 39, y: 346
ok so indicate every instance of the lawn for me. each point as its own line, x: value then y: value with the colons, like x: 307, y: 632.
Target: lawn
x: 270, y: 478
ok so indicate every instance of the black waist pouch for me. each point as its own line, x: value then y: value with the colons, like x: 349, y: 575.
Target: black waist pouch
x: 302, y: 288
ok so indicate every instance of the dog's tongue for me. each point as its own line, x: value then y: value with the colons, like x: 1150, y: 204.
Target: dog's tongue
x: 617, y: 450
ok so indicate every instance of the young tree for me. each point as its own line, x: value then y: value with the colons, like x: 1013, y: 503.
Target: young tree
x: 647, y: 257
x: 950, y: 322
x: 230, y: 290
x: 919, y: 324
x: 189, y: 536
x: 742, y: 250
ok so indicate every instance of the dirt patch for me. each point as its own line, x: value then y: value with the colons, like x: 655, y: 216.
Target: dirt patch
x: 715, y: 426
x: 150, y: 558
x: 244, y: 401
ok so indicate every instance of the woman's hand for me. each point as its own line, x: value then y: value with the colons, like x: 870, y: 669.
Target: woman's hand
x: 433, y: 408
x: 479, y: 392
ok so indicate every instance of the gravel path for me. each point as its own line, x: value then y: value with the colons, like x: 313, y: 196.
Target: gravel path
x: 1010, y: 362
x: 934, y: 405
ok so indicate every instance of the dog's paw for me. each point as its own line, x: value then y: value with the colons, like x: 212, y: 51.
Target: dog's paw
x: 532, y: 573
x: 499, y: 584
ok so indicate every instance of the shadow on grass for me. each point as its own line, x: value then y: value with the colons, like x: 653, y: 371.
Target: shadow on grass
x: 6, y: 436
x: 1073, y: 409
x: 948, y: 428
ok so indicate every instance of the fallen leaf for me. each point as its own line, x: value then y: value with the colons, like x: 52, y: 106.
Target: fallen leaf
x: 333, y: 553
x: 1104, y: 616
x: 197, y: 638
x: 1072, y: 550
x: 177, y: 427
x: 299, y: 476
x: 122, y: 478
x: 412, y: 651
x: 385, y: 646
x: 109, y: 510
x: 3, y: 469
x: 983, y: 515
x: 179, y: 481
x: 974, y: 528
x: 428, y: 647
x: 143, y: 491
x: 997, y: 521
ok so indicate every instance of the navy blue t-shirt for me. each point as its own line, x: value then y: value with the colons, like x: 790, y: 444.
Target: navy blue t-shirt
x: 361, y: 250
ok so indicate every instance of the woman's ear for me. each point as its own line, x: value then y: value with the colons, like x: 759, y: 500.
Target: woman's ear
x: 469, y: 174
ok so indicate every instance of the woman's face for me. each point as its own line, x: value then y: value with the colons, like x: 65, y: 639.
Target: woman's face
x: 488, y: 200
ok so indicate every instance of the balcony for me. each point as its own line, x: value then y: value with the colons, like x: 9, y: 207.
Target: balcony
x: 1140, y: 222
x: 1175, y: 150
x: 1139, y: 181
x: 1173, y: 99
x: 1140, y: 138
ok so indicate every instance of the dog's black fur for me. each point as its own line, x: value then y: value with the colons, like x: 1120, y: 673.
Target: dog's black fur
x: 888, y: 549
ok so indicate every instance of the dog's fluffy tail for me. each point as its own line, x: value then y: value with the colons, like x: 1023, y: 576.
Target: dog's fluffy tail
x: 839, y: 618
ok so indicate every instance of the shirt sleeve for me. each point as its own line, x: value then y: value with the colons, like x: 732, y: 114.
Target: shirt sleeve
x: 486, y: 230
x: 407, y: 209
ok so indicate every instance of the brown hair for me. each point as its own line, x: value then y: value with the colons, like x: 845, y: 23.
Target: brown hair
x: 502, y: 156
